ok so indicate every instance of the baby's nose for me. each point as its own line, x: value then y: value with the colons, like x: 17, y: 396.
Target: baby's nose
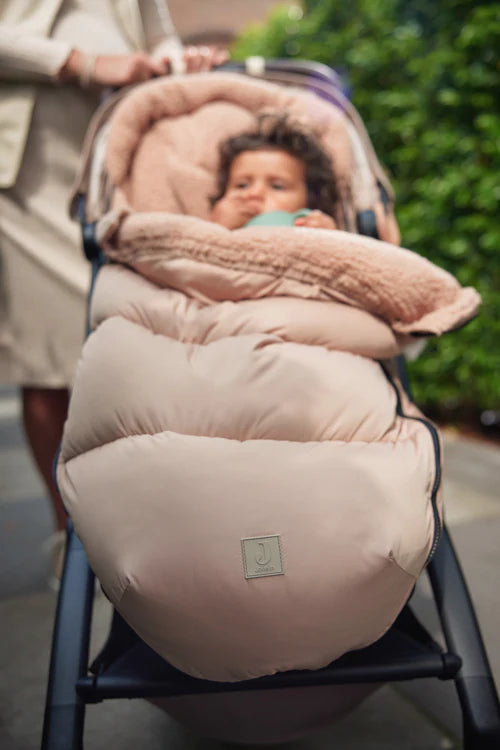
x: 256, y: 190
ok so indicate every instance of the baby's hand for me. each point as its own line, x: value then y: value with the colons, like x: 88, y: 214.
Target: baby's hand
x: 317, y: 220
x: 233, y: 211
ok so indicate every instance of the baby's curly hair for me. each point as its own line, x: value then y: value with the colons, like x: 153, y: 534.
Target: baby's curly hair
x: 281, y: 133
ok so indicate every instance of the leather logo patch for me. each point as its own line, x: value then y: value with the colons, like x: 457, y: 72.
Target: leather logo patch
x: 262, y: 556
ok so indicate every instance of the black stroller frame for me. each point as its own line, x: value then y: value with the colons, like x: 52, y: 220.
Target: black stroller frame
x: 127, y: 668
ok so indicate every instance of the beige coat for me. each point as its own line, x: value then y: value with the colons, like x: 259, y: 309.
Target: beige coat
x: 44, y: 277
x: 28, y: 56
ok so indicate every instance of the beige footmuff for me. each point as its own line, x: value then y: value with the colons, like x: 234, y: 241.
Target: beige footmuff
x: 253, y: 489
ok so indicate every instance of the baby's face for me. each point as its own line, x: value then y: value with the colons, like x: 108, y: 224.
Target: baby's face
x: 261, y: 181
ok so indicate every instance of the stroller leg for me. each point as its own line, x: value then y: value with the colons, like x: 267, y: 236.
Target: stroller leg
x: 474, y: 682
x: 64, y: 709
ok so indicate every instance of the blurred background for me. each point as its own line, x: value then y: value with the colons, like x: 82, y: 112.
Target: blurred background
x: 218, y: 21
x: 425, y: 78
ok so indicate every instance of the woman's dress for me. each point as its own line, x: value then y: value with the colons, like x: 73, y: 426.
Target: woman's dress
x: 44, y: 276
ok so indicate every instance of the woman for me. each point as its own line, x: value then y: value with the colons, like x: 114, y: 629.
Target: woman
x: 56, y: 57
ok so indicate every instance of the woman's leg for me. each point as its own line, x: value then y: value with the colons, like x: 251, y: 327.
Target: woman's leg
x: 44, y: 414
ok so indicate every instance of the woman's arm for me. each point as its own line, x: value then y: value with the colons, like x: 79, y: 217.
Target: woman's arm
x: 34, y: 59
x: 110, y: 70
x: 28, y: 58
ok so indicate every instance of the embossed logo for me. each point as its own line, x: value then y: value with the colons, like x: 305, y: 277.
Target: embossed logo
x: 262, y: 556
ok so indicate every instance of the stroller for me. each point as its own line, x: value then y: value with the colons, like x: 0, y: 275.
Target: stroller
x: 205, y: 657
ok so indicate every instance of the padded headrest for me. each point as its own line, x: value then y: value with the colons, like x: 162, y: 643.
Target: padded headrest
x: 162, y: 148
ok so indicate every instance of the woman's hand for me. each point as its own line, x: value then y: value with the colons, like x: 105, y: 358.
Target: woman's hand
x: 199, y: 59
x: 111, y: 70
x: 123, y: 70
x: 317, y: 220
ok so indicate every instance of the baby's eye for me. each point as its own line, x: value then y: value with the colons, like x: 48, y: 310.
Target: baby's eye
x: 241, y: 184
x: 278, y: 186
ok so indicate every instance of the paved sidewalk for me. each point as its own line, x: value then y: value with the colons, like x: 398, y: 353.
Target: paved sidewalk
x: 415, y: 716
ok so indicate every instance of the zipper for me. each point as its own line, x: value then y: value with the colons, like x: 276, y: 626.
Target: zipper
x: 437, y: 456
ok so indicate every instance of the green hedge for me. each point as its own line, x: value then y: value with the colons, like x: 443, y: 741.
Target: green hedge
x: 425, y: 77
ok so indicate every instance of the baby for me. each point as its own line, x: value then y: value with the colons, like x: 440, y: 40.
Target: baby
x: 278, y: 167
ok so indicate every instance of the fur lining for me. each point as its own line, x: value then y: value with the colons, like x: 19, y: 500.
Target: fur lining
x: 407, y: 291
